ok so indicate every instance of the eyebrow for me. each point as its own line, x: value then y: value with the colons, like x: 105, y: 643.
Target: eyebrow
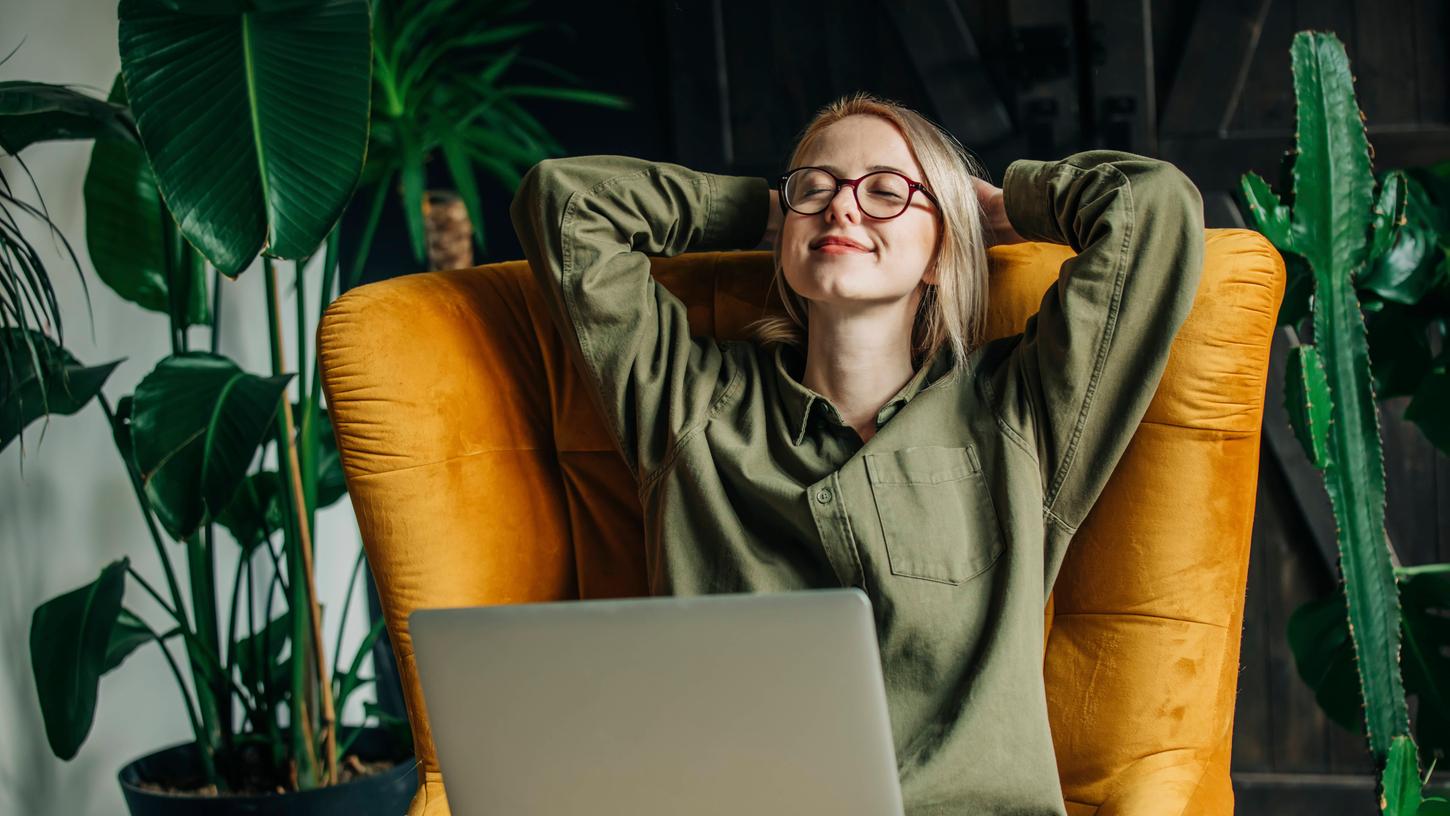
x: 873, y: 168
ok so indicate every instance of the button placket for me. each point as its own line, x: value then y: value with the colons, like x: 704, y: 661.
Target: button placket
x: 829, y: 515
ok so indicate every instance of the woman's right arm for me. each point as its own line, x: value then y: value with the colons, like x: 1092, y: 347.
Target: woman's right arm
x: 587, y: 225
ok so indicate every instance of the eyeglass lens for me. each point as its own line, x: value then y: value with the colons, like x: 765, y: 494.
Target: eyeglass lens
x: 880, y: 195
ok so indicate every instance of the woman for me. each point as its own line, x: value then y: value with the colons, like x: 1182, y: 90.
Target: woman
x: 869, y: 438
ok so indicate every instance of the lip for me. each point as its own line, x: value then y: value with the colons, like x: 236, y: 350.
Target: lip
x: 837, y: 245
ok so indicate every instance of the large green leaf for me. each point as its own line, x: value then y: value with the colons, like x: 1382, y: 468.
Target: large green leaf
x: 1318, y: 636
x: 123, y: 227
x: 255, y: 509
x: 130, y: 634
x: 254, y: 116
x: 33, y: 112
x: 1425, y: 600
x: 1411, y: 267
x: 1333, y: 192
x: 51, y: 382
x: 196, y: 424
x: 1399, y: 347
x: 70, y: 636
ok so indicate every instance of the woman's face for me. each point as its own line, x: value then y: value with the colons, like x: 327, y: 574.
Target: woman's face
x: 898, y: 250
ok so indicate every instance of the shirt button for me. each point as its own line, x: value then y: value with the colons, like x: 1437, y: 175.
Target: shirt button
x: 824, y: 495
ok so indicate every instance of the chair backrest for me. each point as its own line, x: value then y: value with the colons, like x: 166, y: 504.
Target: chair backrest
x: 481, y: 474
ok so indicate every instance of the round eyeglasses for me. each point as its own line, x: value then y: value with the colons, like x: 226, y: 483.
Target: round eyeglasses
x: 887, y: 193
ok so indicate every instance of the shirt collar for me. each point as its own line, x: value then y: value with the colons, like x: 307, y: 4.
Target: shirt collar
x: 800, y: 401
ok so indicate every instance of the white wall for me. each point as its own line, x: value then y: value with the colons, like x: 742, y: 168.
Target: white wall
x: 72, y: 510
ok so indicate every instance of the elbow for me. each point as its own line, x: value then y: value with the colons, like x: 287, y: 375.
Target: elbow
x: 541, y: 191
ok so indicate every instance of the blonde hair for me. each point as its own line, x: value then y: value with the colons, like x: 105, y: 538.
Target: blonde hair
x: 952, y: 311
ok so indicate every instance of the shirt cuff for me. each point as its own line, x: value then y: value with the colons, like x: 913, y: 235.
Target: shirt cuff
x: 739, y: 209
x: 1026, y: 200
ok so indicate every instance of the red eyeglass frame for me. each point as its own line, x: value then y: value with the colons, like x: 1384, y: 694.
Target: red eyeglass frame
x: 911, y: 185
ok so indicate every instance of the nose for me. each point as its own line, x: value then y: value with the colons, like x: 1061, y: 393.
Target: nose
x: 843, y: 205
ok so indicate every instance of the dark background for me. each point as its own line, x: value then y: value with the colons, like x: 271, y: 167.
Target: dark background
x: 726, y: 87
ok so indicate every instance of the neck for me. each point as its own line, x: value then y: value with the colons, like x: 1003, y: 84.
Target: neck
x: 859, y: 360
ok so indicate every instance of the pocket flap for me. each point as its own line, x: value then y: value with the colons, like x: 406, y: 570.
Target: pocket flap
x: 926, y: 464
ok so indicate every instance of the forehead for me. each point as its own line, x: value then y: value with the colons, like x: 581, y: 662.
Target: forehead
x: 859, y: 144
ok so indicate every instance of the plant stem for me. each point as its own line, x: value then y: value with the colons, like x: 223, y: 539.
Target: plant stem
x: 152, y: 592
x: 208, y: 762
x: 304, y: 590
x: 346, y: 604
x: 216, y: 310
x: 204, y: 746
x: 232, y: 617
x: 207, y: 693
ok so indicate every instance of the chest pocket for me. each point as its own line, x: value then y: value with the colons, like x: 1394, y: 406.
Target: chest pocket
x: 937, y: 516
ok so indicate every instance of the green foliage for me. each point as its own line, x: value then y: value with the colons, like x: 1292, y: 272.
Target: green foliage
x: 1318, y: 633
x: 284, y: 118
x: 70, y: 638
x: 42, y: 380
x: 197, y: 422
x: 129, y: 230
x: 439, y: 92
x: 265, y: 161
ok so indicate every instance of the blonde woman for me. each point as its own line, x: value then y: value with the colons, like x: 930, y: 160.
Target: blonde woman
x: 869, y: 437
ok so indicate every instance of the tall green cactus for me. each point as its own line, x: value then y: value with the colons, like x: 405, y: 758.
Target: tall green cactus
x: 1330, y: 391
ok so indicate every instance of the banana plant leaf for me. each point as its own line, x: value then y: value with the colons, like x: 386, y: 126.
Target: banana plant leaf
x: 254, y: 115
x: 124, y: 232
x: 70, y: 638
x: 51, y: 382
x: 33, y: 112
x: 196, y: 423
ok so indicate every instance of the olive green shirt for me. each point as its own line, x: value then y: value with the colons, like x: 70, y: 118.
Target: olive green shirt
x: 954, y: 517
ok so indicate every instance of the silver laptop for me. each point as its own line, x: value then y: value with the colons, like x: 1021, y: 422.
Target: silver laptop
x: 757, y: 703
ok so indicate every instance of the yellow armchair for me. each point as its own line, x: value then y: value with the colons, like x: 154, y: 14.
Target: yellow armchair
x: 481, y: 473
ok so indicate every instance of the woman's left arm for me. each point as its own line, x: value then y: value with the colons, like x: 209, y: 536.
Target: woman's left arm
x: 1074, y: 386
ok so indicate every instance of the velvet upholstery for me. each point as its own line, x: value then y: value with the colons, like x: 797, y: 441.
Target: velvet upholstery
x: 480, y: 473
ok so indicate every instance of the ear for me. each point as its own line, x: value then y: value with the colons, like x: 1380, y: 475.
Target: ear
x: 930, y: 275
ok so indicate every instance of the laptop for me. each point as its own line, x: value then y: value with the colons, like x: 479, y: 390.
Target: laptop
x: 752, y: 703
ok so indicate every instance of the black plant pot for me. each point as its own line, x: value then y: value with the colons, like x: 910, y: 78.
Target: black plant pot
x: 384, y: 794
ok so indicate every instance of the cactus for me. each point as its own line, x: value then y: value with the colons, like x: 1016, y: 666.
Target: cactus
x: 1337, y: 225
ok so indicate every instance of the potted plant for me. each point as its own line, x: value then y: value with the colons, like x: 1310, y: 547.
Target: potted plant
x: 182, y: 184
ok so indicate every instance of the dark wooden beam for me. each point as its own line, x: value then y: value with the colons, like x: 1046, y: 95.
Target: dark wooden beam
x: 1122, y: 75
x: 946, y: 58
x: 699, y: 94
x: 1214, y: 67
